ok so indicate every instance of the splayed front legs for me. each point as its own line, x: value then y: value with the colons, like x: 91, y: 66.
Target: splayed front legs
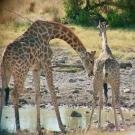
x: 49, y: 78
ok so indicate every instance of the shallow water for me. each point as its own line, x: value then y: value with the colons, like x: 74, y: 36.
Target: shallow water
x: 49, y: 121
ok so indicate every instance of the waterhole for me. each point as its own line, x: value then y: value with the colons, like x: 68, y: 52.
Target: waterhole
x: 49, y: 121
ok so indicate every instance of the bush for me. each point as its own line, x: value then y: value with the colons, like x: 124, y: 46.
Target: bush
x: 120, y: 20
x: 119, y: 13
x: 76, y: 13
x: 115, y: 19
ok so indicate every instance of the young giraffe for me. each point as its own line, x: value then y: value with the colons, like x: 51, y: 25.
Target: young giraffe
x: 32, y: 50
x: 106, y: 70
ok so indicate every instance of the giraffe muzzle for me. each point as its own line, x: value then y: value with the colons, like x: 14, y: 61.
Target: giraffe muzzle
x: 90, y: 74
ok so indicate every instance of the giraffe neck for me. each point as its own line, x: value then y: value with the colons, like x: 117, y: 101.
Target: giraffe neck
x: 51, y: 30
x: 105, y: 47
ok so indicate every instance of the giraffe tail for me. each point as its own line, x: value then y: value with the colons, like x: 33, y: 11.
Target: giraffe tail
x: 105, y: 92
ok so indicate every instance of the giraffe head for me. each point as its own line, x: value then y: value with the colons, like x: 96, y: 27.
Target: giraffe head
x: 102, y: 26
x: 88, y: 62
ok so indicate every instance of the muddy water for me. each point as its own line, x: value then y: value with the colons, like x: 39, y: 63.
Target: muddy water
x: 49, y: 121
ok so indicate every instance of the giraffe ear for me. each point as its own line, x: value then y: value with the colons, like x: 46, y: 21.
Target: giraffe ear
x: 93, y: 53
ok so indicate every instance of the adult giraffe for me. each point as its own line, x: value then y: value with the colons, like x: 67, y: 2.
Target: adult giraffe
x: 32, y: 49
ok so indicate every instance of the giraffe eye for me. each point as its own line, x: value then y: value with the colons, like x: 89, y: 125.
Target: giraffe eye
x: 92, y: 62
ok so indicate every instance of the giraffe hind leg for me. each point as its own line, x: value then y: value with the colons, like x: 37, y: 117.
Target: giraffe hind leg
x: 115, y: 93
x: 36, y: 77
x: 100, y: 108
x: 4, y: 92
x: 6, y: 75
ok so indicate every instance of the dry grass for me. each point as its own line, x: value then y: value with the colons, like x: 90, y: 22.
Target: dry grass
x: 122, y: 42
x: 33, y: 9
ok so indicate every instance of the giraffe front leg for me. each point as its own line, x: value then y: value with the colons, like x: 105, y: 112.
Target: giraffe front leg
x: 91, y: 115
x: 36, y: 78
x: 95, y: 93
x: 49, y: 78
x: 16, y: 108
x: 100, y: 108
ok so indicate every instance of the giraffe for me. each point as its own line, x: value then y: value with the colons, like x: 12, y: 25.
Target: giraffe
x: 32, y: 50
x: 106, y: 71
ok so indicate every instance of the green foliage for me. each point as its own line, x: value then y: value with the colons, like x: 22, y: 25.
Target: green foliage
x: 77, y: 13
x: 119, y: 13
x: 116, y: 20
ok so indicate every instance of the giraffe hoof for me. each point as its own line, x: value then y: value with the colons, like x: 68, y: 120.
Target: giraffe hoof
x: 99, y: 126
x: 87, y: 129
x: 63, y: 129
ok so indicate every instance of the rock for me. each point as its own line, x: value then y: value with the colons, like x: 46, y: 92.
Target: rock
x: 6, y: 117
x: 96, y: 121
x: 75, y: 91
x: 81, y: 79
x: 87, y: 112
x: 91, y: 92
x: 72, y: 80
x: 127, y: 119
x: 42, y: 105
x: 110, y: 126
x: 70, y: 96
x: 29, y: 97
x: 124, y: 98
x: 126, y: 90
x: 109, y: 104
x: 76, y: 114
x: 125, y: 65
x: 62, y: 60
x: 58, y: 96
x: 28, y: 88
x: 42, y: 91
x: 132, y: 105
x: 78, y: 62
x: 23, y: 101
x: 125, y: 105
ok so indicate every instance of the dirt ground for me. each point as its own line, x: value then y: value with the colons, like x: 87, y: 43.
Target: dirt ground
x: 72, y: 85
